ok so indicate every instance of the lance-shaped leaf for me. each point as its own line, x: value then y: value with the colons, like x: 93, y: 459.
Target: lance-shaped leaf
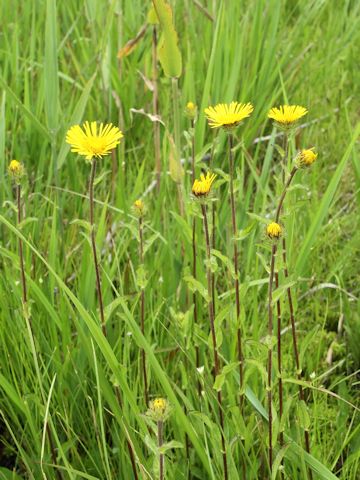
x: 168, y: 49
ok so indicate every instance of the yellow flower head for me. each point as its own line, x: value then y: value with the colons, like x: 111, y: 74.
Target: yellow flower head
x: 202, y: 187
x: 159, y: 409
x: 273, y: 230
x: 191, y: 110
x: 228, y: 115
x: 16, y: 170
x: 287, y: 115
x: 90, y: 141
x: 139, y: 207
x: 306, y: 158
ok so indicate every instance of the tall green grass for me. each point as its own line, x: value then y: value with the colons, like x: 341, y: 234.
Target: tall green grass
x: 59, y: 66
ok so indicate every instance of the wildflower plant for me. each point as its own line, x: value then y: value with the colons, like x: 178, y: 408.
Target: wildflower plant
x: 94, y: 143
x: 17, y: 172
x: 229, y: 116
x: 201, y: 189
x: 159, y: 411
x: 286, y: 117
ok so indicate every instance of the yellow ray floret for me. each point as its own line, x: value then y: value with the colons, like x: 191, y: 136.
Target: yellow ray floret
x: 287, y: 114
x: 228, y: 115
x: 16, y: 170
x: 90, y: 141
x: 202, y: 187
x: 273, y: 230
x: 307, y: 157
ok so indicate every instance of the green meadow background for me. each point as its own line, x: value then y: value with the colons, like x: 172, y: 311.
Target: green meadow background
x: 59, y: 67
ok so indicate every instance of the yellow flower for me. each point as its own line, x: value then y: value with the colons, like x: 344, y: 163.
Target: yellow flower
x: 16, y: 170
x: 287, y: 115
x: 159, y: 409
x: 202, y: 187
x: 306, y: 158
x: 139, y: 207
x: 91, y: 142
x: 191, y: 110
x: 228, y: 115
x: 273, y: 230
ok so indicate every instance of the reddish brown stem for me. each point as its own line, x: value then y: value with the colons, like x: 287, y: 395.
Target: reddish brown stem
x: 270, y: 333
x: 161, y: 456
x: 213, y: 335
x: 194, y: 272
x: 278, y: 308
x: 142, y: 311
x: 93, y: 245
x: 21, y: 254
x: 289, y: 295
x: 236, y: 269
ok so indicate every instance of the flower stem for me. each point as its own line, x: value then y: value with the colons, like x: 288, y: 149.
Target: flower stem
x: 93, y: 244
x: 270, y: 332
x: 289, y: 294
x: 213, y: 335
x: 194, y: 272
x: 295, y: 346
x: 142, y: 311
x: 236, y: 270
x: 278, y: 307
x: 160, y: 425
x: 21, y: 254
x: 155, y: 100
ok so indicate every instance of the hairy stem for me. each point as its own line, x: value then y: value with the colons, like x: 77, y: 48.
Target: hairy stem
x: 270, y: 333
x: 289, y: 294
x: 21, y: 254
x: 236, y: 269
x: 160, y: 425
x: 142, y: 311
x: 194, y: 253
x: 93, y: 245
x: 278, y: 309
x: 213, y: 335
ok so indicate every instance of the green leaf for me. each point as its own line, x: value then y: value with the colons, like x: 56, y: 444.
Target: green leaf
x: 6, y: 474
x: 303, y: 415
x: 82, y: 223
x: 196, y: 286
x: 225, y: 260
x: 243, y: 233
x: 169, y: 446
x: 175, y: 167
x: 168, y: 49
x: 152, y: 18
x: 279, y: 292
x: 220, y: 379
